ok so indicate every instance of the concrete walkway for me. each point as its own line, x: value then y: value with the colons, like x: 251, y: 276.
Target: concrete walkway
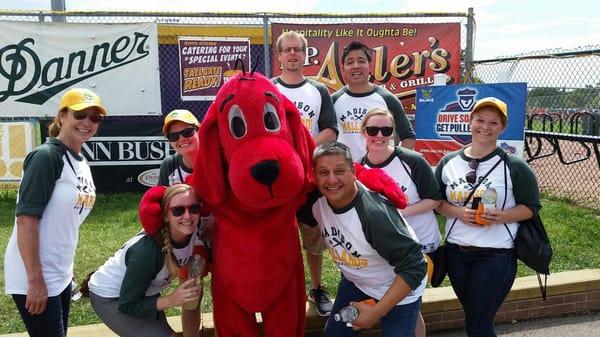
x: 579, y: 325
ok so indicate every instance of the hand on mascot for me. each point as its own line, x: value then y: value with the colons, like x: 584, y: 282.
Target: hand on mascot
x: 378, y: 181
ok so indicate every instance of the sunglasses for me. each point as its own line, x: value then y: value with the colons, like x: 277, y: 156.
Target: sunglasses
x: 180, y: 210
x: 471, y: 176
x: 186, y: 133
x: 386, y: 131
x: 94, y: 116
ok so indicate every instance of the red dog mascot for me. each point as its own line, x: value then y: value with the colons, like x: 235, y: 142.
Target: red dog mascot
x: 254, y: 170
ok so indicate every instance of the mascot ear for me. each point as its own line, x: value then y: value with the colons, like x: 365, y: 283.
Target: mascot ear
x: 208, y: 178
x: 379, y: 181
x: 303, y: 141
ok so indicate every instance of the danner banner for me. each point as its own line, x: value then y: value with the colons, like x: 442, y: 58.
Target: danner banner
x: 39, y: 61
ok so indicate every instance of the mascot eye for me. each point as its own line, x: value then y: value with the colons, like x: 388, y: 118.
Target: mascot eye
x: 271, y: 119
x: 237, y: 123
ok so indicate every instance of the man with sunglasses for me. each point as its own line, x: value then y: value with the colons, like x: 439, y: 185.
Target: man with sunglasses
x: 180, y: 128
x: 359, y: 96
x: 316, y: 111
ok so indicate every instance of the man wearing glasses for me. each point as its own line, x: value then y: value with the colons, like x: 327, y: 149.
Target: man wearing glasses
x: 180, y: 128
x: 359, y: 96
x: 316, y: 111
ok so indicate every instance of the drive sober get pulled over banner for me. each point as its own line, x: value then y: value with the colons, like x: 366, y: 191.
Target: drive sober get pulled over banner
x: 205, y: 63
x: 404, y: 55
x: 442, y: 123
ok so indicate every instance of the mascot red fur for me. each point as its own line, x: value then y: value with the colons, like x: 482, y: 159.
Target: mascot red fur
x: 254, y: 169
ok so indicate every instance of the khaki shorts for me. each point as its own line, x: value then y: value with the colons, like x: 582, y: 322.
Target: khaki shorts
x: 312, y: 241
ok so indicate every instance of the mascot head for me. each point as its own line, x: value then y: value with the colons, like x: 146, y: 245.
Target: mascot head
x: 253, y: 142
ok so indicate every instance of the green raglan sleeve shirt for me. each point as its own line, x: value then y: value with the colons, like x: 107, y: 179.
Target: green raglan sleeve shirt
x: 166, y: 167
x: 387, y: 233
x: 327, y: 117
x: 41, y: 169
x: 525, y: 187
x: 143, y: 260
x: 421, y: 173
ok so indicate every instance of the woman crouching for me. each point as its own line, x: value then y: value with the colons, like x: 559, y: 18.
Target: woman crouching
x: 125, y: 291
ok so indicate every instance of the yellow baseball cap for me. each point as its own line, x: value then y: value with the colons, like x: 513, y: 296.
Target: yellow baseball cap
x: 491, y: 102
x: 78, y: 99
x: 179, y: 115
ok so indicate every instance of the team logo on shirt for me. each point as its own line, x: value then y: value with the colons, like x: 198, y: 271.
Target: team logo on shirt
x: 342, y: 251
x: 86, y: 194
x: 351, y: 120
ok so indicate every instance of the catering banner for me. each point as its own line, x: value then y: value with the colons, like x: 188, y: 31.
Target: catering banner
x: 205, y: 63
x: 405, y: 55
x: 40, y: 61
x: 443, y: 114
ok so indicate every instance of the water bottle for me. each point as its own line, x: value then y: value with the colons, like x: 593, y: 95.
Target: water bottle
x: 486, y: 205
x: 349, y: 313
x: 194, y: 270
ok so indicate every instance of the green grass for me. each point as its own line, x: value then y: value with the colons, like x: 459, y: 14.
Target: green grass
x: 574, y: 233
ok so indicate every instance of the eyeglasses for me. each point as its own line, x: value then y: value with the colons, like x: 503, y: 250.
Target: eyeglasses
x: 94, y: 116
x: 386, y: 131
x: 186, y: 133
x: 180, y: 210
x: 297, y: 50
x: 471, y: 176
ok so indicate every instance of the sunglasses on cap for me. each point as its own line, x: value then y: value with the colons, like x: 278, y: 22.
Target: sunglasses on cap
x: 180, y: 210
x: 386, y: 131
x: 94, y: 116
x: 186, y: 133
x: 471, y: 176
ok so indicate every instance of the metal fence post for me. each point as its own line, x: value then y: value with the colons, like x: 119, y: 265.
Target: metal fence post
x: 469, y: 48
x: 267, y: 59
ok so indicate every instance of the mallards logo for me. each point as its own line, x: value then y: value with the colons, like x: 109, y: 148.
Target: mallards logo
x: 22, y: 69
x: 425, y: 96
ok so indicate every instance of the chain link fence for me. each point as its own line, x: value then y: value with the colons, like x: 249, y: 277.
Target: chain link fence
x: 563, y: 117
x: 256, y: 26
x: 171, y: 26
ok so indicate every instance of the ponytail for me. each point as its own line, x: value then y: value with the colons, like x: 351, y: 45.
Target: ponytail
x: 167, y: 250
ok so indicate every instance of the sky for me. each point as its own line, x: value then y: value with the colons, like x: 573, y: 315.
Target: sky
x: 503, y: 27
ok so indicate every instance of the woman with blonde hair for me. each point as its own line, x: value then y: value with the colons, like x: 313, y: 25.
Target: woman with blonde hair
x: 414, y: 176
x: 486, y: 193
x: 125, y: 291
x: 56, y: 194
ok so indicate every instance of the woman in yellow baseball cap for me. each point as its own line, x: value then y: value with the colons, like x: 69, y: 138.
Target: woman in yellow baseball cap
x: 56, y: 193
x: 180, y: 128
x: 485, y: 194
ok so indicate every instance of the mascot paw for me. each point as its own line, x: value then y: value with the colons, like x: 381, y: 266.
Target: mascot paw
x: 378, y: 181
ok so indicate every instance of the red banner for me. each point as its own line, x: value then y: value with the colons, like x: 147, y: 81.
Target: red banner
x: 404, y: 55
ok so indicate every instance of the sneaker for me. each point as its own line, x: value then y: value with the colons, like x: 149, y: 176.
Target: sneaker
x: 320, y: 298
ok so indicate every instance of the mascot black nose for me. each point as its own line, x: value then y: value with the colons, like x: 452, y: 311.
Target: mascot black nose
x: 266, y: 171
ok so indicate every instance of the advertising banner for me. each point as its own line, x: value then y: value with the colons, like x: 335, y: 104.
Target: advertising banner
x: 40, y: 61
x: 205, y: 63
x: 18, y: 139
x: 442, y: 121
x: 405, y: 55
x: 125, y: 156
